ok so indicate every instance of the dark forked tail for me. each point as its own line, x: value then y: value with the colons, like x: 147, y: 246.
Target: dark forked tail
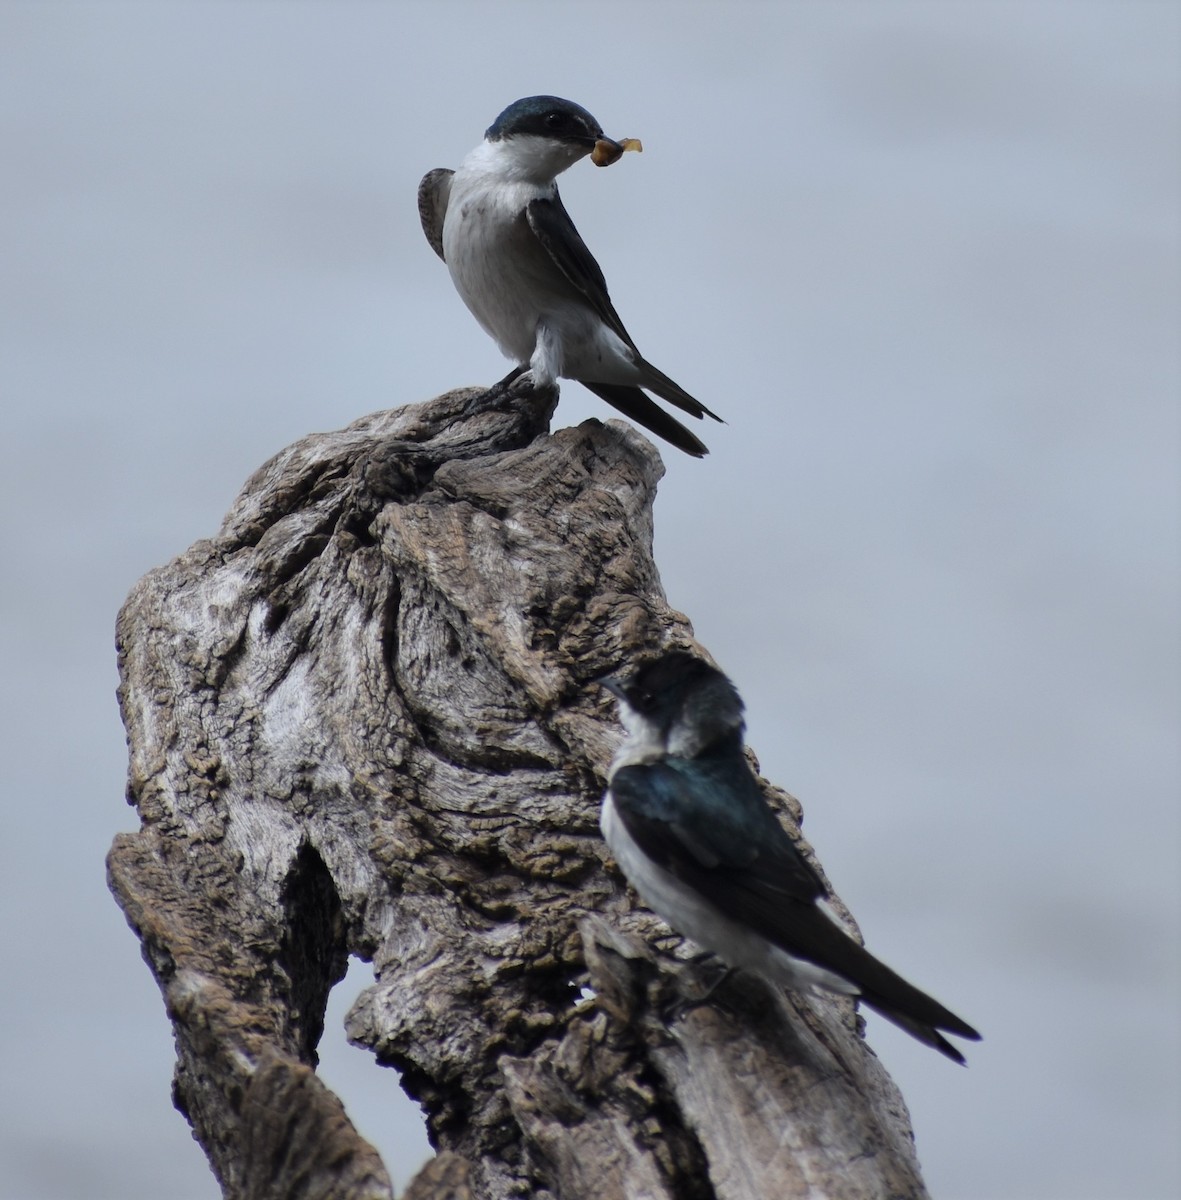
x: 642, y: 409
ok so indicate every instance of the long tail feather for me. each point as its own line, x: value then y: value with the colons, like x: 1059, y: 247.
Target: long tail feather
x: 646, y: 412
x: 668, y: 389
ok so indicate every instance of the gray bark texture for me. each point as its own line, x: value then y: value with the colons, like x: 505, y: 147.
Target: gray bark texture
x: 359, y: 723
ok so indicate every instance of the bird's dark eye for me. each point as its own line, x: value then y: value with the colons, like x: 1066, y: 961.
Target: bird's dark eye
x: 556, y: 120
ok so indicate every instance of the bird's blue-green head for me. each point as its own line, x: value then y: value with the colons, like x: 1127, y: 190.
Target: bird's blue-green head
x: 537, y: 138
x: 547, y: 117
x: 678, y: 701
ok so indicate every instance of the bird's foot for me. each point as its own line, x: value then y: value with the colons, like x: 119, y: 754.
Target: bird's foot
x: 503, y: 396
x: 697, y: 982
x: 528, y: 404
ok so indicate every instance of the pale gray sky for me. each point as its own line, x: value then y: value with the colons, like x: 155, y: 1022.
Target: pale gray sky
x: 923, y: 258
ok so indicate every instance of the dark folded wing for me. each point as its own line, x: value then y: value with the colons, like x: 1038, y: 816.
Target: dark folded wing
x: 433, y: 193
x: 554, y: 230
x: 707, y: 823
x: 710, y: 827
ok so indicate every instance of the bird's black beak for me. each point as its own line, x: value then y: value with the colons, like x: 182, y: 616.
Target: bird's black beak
x: 612, y: 683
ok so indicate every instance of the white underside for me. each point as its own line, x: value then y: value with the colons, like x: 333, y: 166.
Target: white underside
x: 510, y: 284
x: 690, y: 914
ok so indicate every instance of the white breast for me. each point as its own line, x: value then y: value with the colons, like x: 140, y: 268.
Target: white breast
x: 499, y: 270
x: 508, y: 280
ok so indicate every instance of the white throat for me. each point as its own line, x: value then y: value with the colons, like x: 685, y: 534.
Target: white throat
x: 525, y: 158
x: 644, y: 742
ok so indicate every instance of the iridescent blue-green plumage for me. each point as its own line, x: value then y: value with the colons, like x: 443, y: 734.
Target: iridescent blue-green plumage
x: 688, y: 822
x: 545, y: 116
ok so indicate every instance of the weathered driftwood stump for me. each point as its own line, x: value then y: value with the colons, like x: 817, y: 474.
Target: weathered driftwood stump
x: 359, y: 723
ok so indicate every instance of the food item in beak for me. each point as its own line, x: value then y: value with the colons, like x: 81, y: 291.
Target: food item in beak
x: 606, y: 151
